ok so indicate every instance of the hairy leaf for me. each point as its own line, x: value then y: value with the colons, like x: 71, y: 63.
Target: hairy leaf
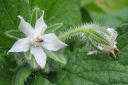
x: 92, y: 70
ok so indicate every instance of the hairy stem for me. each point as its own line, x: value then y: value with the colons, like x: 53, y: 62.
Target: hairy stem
x: 89, y: 33
x: 71, y: 32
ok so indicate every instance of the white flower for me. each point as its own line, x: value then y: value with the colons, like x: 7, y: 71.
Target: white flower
x: 36, y: 40
x: 112, y: 48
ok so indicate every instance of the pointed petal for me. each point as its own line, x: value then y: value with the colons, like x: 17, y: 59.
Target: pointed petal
x: 51, y: 42
x: 39, y: 55
x: 25, y: 27
x: 22, y: 45
x: 40, y: 24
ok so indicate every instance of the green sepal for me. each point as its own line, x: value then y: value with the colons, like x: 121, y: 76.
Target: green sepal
x: 60, y: 59
x: 31, y: 60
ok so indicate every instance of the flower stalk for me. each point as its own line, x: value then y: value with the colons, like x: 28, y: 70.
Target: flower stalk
x: 89, y: 31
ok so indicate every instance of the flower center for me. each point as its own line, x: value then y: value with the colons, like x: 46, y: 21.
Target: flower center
x: 37, y: 39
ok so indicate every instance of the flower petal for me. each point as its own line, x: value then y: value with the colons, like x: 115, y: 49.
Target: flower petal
x: 25, y: 27
x: 39, y: 55
x: 22, y: 45
x: 51, y: 42
x: 113, y: 34
x: 40, y: 24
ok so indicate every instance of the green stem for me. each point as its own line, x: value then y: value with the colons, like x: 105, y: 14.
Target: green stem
x: 89, y: 32
x: 72, y: 32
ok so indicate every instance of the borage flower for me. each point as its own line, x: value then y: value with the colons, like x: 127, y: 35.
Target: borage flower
x: 36, y: 40
x: 112, y: 48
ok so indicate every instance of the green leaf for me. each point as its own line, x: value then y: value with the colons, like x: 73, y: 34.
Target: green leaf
x: 122, y: 42
x: 91, y: 70
x: 9, y: 10
x: 22, y: 75
x: 87, y: 70
x: 39, y: 80
x: 7, y: 69
x: 61, y: 11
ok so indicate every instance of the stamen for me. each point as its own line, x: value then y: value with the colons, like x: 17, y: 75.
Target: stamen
x: 39, y: 40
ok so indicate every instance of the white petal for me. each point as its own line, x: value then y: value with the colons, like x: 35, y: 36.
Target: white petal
x: 112, y: 37
x: 113, y: 33
x: 22, y: 45
x: 39, y: 55
x: 40, y: 24
x: 25, y: 27
x: 51, y: 42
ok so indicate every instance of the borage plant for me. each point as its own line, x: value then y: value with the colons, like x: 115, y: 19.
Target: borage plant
x: 37, y: 46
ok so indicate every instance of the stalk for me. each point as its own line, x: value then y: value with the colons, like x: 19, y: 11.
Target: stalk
x: 88, y: 31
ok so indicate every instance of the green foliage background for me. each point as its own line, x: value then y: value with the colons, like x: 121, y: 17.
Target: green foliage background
x: 80, y: 69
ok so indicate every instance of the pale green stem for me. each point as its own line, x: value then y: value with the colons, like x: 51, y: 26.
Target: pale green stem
x: 85, y: 30
x: 71, y: 32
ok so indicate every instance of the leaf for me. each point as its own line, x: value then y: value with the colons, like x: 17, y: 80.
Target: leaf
x: 9, y: 10
x: 7, y: 69
x: 123, y: 43
x: 22, y: 75
x: 39, y: 80
x: 91, y: 70
x: 61, y: 11
x: 87, y: 70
